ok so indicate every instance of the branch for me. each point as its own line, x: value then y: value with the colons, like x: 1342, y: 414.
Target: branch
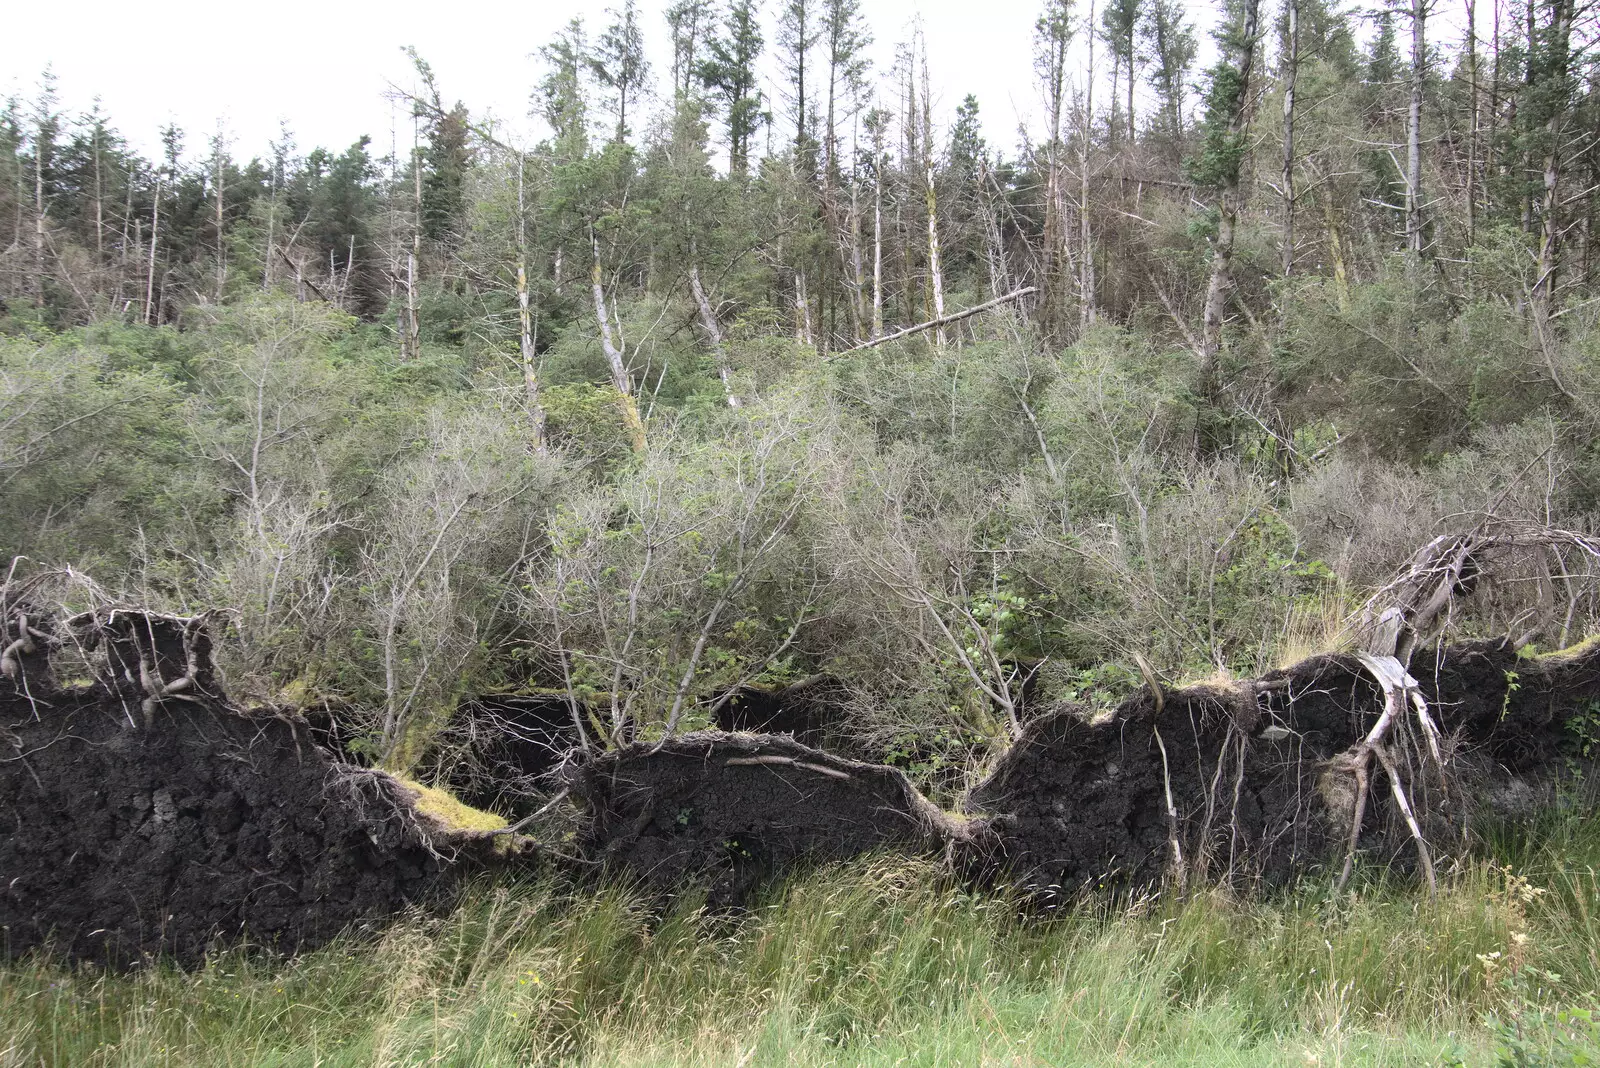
x: 932, y: 323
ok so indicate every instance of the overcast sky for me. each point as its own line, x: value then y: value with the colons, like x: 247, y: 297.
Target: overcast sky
x: 324, y: 66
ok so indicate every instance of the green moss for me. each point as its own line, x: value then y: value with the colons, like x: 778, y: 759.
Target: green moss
x: 1571, y: 652
x: 445, y: 809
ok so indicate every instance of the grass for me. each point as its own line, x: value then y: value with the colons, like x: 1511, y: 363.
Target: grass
x: 879, y: 962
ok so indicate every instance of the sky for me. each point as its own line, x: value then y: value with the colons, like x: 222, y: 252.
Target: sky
x: 325, y: 66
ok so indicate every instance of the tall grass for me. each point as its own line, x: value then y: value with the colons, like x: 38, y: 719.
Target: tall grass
x: 877, y: 962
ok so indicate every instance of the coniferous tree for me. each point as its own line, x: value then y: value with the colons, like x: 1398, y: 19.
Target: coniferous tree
x: 619, y: 65
x: 730, y: 73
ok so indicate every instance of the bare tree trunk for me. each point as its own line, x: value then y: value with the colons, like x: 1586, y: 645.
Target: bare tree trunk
x: 1341, y: 273
x: 858, y: 274
x: 150, y: 274
x: 412, y: 345
x: 272, y: 225
x: 1086, y: 280
x: 1132, y: 68
x: 1419, y: 23
x: 1556, y: 46
x: 712, y: 328
x: 1053, y: 71
x: 530, y: 360
x: 877, y: 248
x: 614, y: 354
x: 99, y: 206
x: 802, y: 310
x: 1473, y: 139
x: 222, y: 254
x: 935, y: 270
x: 1221, y: 284
x: 1291, y: 61
x: 38, y: 217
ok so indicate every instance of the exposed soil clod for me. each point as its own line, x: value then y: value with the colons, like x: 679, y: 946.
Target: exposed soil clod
x: 131, y: 827
x: 732, y: 808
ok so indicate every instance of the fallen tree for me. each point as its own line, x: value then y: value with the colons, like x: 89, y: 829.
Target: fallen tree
x: 145, y: 814
x: 731, y: 809
x: 1254, y: 782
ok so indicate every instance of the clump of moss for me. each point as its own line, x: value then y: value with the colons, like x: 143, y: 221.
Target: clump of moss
x: 444, y: 809
x: 1571, y: 652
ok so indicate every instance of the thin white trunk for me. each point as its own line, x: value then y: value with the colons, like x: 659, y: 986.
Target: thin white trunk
x: 1086, y: 280
x: 712, y: 328
x: 1291, y: 75
x: 530, y: 365
x: 222, y: 253
x: 1419, y: 22
x: 935, y: 271
x: 802, y: 311
x: 150, y: 273
x: 38, y: 217
x: 877, y: 249
x: 614, y: 354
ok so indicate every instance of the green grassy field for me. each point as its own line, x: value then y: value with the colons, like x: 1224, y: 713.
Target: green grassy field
x: 886, y: 962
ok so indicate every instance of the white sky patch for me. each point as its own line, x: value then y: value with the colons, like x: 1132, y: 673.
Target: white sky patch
x: 324, y: 67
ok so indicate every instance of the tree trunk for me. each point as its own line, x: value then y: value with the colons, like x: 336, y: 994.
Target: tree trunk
x: 222, y: 255
x: 1473, y: 139
x: 1086, y: 280
x: 802, y: 310
x: 858, y: 274
x: 614, y: 355
x: 1556, y: 48
x: 1419, y: 22
x: 150, y: 274
x: 99, y: 206
x: 877, y: 248
x: 38, y: 217
x: 530, y: 360
x: 935, y: 270
x: 1291, y: 61
x: 712, y: 328
x: 1221, y: 284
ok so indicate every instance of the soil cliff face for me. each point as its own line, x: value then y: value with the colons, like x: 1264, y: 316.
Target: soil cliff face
x: 1247, y: 781
x: 732, y: 808
x: 141, y: 814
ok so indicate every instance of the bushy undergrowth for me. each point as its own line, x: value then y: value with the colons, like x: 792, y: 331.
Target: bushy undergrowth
x: 886, y: 962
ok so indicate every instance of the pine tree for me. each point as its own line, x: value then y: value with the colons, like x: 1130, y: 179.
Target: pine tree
x: 730, y: 72
x: 618, y: 63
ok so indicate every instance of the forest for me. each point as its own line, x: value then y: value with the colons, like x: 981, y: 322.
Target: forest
x: 713, y: 391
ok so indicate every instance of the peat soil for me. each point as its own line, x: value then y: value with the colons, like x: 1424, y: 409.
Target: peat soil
x: 731, y: 809
x: 1246, y: 782
x: 143, y: 813
x: 132, y: 826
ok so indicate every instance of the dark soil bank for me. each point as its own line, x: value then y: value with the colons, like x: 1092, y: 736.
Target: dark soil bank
x: 132, y: 827
x: 731, y: 808
x: 1244, y: 780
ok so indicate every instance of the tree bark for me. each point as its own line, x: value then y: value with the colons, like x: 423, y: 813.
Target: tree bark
x: 1556, y: 48
x: 39, y: 226
x: 1291, y: 74
x: 1221, y: 285
x: 1473, y: 139
x: 712, y: 328
x: 150, y: 274
x: 222, y: 256
x: 1419, y: 23
x: 614, y: 355
x: 877, y: 246
x: 1086, y: 280
x: 530, y: 360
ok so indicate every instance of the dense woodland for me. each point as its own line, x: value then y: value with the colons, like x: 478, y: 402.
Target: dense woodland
x: 623, y: 414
